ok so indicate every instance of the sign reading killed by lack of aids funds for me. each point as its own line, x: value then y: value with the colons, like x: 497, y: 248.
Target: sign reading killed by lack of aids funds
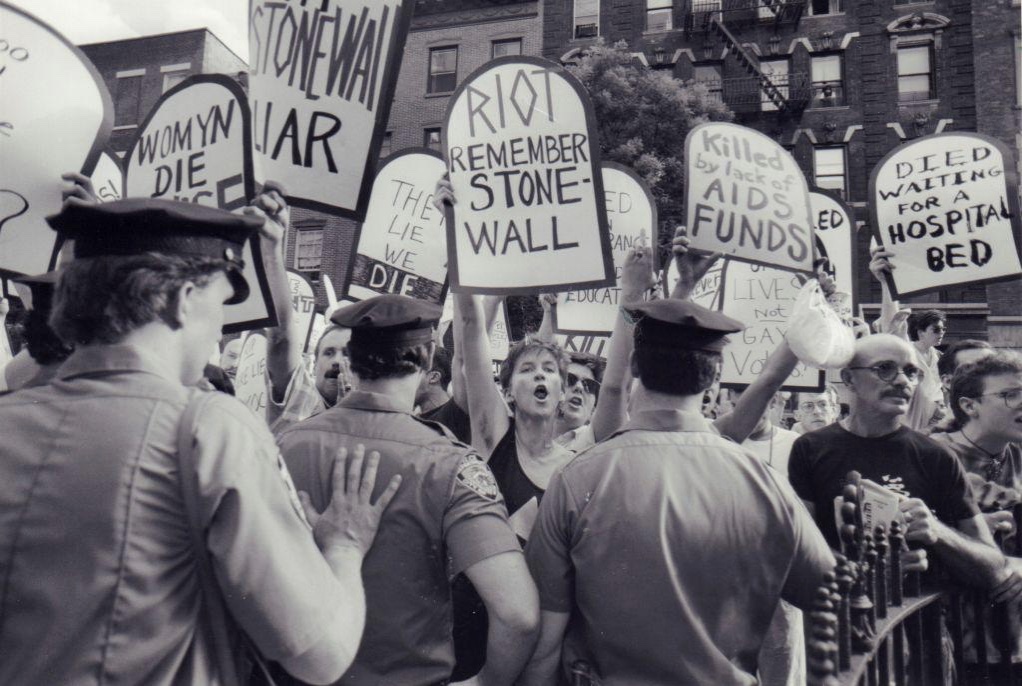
x: 946, y: 206
x: 747, y: 198
x: 321, y: 82
x: 834, y: 229
x: 402, y: 245
x: 632, y: 219
x: 55, y: 117
x: 530, y: 213
x: 195, y: 147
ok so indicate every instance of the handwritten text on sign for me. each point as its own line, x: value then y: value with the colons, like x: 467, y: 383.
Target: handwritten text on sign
x: 250, y: 378
x: 402, y: 247
x: 530, y: 208
x: 943, y: 206
x: 761, y: 298
x: 834, y: 227
x: 319, y: 75
x: 108, y: 178
x: 303, y: 304
x: 631, y: 216
x: 747, y: 198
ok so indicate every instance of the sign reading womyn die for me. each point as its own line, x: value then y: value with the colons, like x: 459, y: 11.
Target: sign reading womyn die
x: 530, y: 214
x: 322, y: 79
x: 946, y: 206
x: 402, y: 246
x: 747, y: 198
x: 632, y: 218
x: 194, y: 147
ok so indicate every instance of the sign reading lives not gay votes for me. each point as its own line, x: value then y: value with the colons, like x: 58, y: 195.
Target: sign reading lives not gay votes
x: 530, y: 214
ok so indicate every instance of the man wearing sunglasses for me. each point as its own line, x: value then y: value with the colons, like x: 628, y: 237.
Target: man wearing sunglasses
x: 582, y: 389
x: 937, y: 503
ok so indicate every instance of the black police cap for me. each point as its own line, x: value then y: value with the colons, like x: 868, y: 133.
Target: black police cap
x: 682, y: 324
x: 392, y: 320
x: 37, y: 293
x: 138, y: 225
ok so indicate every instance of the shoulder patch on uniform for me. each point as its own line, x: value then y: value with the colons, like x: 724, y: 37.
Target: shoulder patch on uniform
x: 475, y: 475
x: 292, y: 492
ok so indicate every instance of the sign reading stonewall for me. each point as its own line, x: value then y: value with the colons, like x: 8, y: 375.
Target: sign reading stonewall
x: 632, y: 219
x: 195, y: 147
x: 747, y: 198
x: 55, y: 117
x: 947, y: 207
x: 761, y: 298
x: 402, y: 245
x: 530, y: 214
x: 321, y: 83
x: 834, y: 228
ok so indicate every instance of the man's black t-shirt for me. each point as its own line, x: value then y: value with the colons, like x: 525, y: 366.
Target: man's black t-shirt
x: 454, y: 418
x: 905, y: 461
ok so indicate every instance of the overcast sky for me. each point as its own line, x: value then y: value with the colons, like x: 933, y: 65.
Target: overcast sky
x: 93, y: 21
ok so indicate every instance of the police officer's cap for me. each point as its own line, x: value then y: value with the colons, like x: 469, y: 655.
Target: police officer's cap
x: 36, y: 292
x: 392, y: 320
x: 682, y: 324
x: 138, y: 225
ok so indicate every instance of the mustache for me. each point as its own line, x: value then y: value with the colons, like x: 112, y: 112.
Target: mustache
x: 332, y: 373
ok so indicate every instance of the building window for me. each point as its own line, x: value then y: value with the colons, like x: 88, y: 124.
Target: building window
x: 443, y: 70
x: 777, y: 71
x: 387, y: 146
x: 587, y: 18
x: 174, y: 74
x: 659, y: 15
x: 309, y: 251
x: 508, y: 46
x: 915, y: 73
x: 128, y: 103
x: 818, y: 7
x: 710, y: 76
x: 829, y: 169
x: 828, y: 90
x: 431, y: 138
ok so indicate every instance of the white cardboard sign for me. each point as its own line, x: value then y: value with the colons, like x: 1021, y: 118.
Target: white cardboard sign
x: 530, y: 214
x: 321, y: 83
x: 108, y: 177
x: 402, y: 245
x: 594, y: 344
x: 194, y: 146
x: 834, y: 228
x: 55, y: 117
x: 747, y: 198
x: 303, y: 304
x: 250, y: 377
x: 947, y: 207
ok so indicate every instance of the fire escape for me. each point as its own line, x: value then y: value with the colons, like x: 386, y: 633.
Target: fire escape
x: 787, y: 94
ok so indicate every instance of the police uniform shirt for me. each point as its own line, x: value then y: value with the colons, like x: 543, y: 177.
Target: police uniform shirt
x: 99, y: 581
x: 447, y: 516
x: 672, y: 547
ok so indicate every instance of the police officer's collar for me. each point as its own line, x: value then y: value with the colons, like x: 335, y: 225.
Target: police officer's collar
x: 668, y: 420
x: 90, y: 359
x: 367, y: 400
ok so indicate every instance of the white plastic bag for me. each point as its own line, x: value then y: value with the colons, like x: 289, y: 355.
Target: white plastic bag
x: 816, y: 333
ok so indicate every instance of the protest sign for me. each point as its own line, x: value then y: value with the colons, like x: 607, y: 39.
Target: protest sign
x: 947, y: 207
x: 530, y: 214
x: 594, y: 344
x: 319, y: 325
x: 746, y: 197
x: 402, y: 245
x: 761, y: 298
x: 250, y: 377
x: 194, y: 146
x: 55, y: 117
x: 500, y: 336
x: 632, y: 221
x: 321, y: 82
x: 834, y: 230
x: 303, y: 305
x: 706, y: 291
x: 108, y: 177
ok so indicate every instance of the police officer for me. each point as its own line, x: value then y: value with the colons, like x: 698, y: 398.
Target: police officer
x: 667, y: 545
x: 147, y: 527
x: 448, y: 518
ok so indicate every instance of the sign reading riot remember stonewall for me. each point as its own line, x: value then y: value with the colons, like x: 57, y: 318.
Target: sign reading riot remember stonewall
x: 55, y: 117
x: 947, y: 207
x: 762, y: 298
x: 321, y: 83
x: 195, y: 147
x: 834, y: 228
x: 632, y: 218
x: 747, y: 198
x: 530, y: 214
x: 402, y: 245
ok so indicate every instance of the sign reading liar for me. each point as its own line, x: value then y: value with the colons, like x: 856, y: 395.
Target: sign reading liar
x: 947, y: 207
x: 303, y: 305
x: 321, y: 83
x: 632, y: 220
x: 835, y: 233
x: 761, y: 298
x: 402, y: 245
x: 195, y: 147
x: 55, y: 117
x: 747, y: 198
x: 530, y: 214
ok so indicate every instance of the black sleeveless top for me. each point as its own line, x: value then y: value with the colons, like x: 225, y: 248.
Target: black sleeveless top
x: 514, y: 485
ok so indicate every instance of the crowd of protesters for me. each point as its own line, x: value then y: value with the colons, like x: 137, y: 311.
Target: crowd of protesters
x: 397, y: 517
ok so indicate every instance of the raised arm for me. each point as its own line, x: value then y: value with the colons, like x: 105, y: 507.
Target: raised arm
x: 486, y: 409
x: 750, y: 407
x: 546, y: 327
x: 892, y: 317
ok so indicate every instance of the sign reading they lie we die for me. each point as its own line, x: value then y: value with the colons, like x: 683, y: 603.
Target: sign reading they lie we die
x: 530, y: 214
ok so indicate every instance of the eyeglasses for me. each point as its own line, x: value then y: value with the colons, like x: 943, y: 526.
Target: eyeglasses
x: 591, y: 386
x: 1012, y: 398
x: 888, y: 370
x: 809, y: 405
